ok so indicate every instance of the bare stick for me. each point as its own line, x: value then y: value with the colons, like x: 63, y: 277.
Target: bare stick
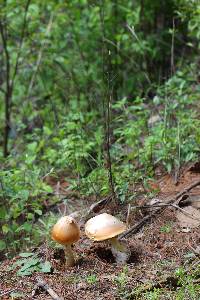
x: 107, y: 94
x: 167, y: 205
x: 42, y: 284
x: 172, y: 50
x: 109, y: 161
x: 84, y: 215
x: 177, y: 167
x: 147, y: 218
x: 128, y: 215
x: 96, y: 207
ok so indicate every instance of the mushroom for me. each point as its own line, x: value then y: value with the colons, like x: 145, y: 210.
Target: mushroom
x: 106, y: 227
x: 66, y: 232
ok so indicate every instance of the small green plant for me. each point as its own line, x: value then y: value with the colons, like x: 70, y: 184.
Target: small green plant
x: 30, y: 263
x: 153, y: 295
x: 43, y: 226
x: 188, y: 289
x: 24, y: 191
x: 17, y: 295
x: 91, y: 279
x: 71, y: 279
x: 121, y: 282
x: 166, y: 228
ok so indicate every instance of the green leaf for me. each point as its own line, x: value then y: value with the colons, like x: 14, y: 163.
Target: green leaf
x: 30, y: 159
x: 23, y: 194
x: 45, y: 267
x: 2, y: 245
x: 47, y: 188
x: 5, y: 229
x: 2, y: 212
x: 32, y: 147
x: 25, y: 273
x: 29, y: 263
x: 38, y: 212
x: 30, y: 216
x: 28, y: 271
x: 18, y: 263
x: 26, y: 227
x: 47, y: 130
x: 26, y: 254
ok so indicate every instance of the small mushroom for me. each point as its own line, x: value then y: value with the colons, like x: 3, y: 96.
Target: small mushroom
x: 106, y: 227
x: 66, y: 232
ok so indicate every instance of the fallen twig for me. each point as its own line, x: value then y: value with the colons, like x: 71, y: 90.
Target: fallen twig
x: 42, y: 284
x: 147, y: 218
x: 128, y: 216
x: 96, y: 207
x: 84, y: 215
x: 162, y: 204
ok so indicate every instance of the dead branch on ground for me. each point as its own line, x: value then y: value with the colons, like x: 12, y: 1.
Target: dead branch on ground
x: 171, y: 200
x: 42, y: 284
x: 94, y: 208
x: 162, y: 204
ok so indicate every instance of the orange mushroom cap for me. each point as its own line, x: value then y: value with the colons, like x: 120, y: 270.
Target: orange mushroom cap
x: 66, y: 231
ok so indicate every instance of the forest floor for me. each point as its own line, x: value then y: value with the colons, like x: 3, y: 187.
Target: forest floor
x: 164, y: 262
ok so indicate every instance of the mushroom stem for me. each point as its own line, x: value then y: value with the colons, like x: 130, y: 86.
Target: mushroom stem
x: 69, y: 256
x: 115, y: 243
x: 119, y: 251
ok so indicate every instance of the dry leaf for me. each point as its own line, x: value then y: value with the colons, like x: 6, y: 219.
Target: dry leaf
x: 185, y: 220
